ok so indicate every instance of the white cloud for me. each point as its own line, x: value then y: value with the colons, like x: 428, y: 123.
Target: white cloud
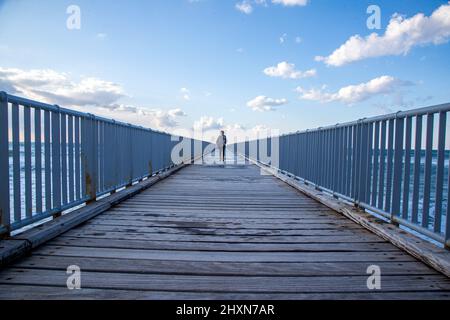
x: 101, y: 35
x: 164, y: 119
x: 154, y: 118
x: 287, y: 70
x: 254, y: 132
x: 291, y: 3
x: 400, y: 37
x: 244, y: 7
x: 209, y: 123
x: 54, y: 87
x: 354, y: 93
x: 186, y: 94
x: 298, y: 39
x: 207, y: 128
x: 263, y: 103
x: 176, y: 113
x: 88, y: 95
x: 283, y: 38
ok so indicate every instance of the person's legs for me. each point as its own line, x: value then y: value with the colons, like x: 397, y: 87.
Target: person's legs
x: 224, y: 153
x: 221, y: 153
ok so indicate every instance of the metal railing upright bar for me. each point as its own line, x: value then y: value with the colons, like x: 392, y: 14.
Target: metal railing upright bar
x: 395, y: 165
x: 53, y: 159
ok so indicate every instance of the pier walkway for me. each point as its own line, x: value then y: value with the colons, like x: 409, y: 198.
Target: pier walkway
x: 220, y: 232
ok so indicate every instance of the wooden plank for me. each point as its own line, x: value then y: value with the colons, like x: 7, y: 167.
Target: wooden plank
x: 224, y: 246
x: 15, y: 292
x: 221, y: 225
x: 222, y: 268
x: 222, y: 201
x: 231, y: 239
x: 74, y: 251
x: 215, y: 268
x: 243, y: 284
x: 238, y: 220
x: 238, y: 208
x: 228, y: 206
x: 12, y: 249
x: 239, y: 197
x: 236, y: 213
x: 224, y: 232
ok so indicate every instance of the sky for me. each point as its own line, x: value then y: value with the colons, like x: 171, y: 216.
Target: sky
x: 239, y: 65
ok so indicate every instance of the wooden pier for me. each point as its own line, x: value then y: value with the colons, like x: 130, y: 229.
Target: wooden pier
x: 220, y: 232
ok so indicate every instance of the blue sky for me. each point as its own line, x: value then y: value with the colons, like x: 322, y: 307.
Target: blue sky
x: 179, y: 63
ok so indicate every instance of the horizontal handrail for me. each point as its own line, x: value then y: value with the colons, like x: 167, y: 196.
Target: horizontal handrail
x: 400, y: 114
x: 49, y: 107
x: 53, y: 159
x: 393, y: 165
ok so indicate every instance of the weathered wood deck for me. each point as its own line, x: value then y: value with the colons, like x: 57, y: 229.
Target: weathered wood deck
x: 214, y: 232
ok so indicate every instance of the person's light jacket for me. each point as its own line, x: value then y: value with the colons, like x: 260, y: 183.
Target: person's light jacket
x: 221, y: 141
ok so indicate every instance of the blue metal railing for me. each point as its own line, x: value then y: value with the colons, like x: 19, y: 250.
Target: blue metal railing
x: 53, y: 159
x: 396, y: 165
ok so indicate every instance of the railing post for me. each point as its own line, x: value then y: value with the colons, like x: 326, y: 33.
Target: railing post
x: 151, y: 157
x: 363, y: 160
x: 235, y: 151
x: 354, y: 162
x: 389, y: 172
x: 4, y: 166
x: 115, y: 161
x: 246, y: 149
x: 56, y: 160
x: 192, y: 151
x: 130, y: 155
x: 89, y: 156
x: 440, y: 171
x: 369, y: 163
x: 407, y: 171
x: 398, y: 166
x: 428, y: 170
x: 357, y: 151
x: 257, y: 149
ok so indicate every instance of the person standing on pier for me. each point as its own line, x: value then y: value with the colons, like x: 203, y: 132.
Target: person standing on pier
x: 222, y: 145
